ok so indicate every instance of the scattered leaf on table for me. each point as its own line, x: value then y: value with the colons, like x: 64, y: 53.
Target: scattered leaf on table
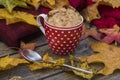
x: 17, y: 16
x: 112, y: 34
x: 107, y: 54
x: 86, y: 32
x: 45, y: 65
x: 30, y: 46
x: 11, y: 4
x: 53, y: 4
x: 84, y: 65
x: 8, y: 62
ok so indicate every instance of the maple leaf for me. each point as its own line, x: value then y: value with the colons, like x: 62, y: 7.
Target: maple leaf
x: 113, y: 3
x: 83, y: 65
x: 35, y: 3
x: 43, y: 65
x: 91, y: 12
x: 86, y: 32
x: 112, y: 34
x: 10, y: 4
x: 8, y: 62
x: 53, y: 4
x: 30, y: 46
x: 106, y: 54
x: 17, y: 16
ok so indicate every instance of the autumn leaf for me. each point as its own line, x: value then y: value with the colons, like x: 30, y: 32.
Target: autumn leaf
x: 30, y: 46
x: 107, y: 54
x: 90, y: 32
x: 112, y: 34
x: 17, y: 16
x: 113, y: 3
x: 53, y: 4
x: 11, y: 4
x: 44, y: 65
x: 8, y: 62
x: 91, y: 12
x: 35, y: 3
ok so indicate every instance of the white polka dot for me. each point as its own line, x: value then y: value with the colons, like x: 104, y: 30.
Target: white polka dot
x: 65, y: 35
x: 64, y: 48
x: 56, y: 44
x: 53, y: 46
x: 64, y: 41
x: 53, y: 40
x: 74, y: 30
x: 58, y: 41
x: 58, y: 35
x: 77, y: 33
x: 71, y: 35
x: 75, y: 40
x: 72, y: 44
x: 67, y: 45
x: 61, y: 38
x: 69, y: 32
x: 67, y: 51
x: 70, y: 41
x: 62, y: 51
x: 55, y: 37
x: 62, y: 32
x: 56, y: 31
x: 69, y: 48
x: 50, y: 29
x: 61, y: 45
x: 68, y: 38
x: 59, y: 48
x: 52, y: 33
x: 74, y: 37
x: 50, y: 36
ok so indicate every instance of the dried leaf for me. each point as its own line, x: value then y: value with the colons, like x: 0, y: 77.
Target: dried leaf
x: 91, y: 12
x: 44, y: 65
x: 113, y: 3
x: 30, y: 46
x: 92, y: 32
x: 35, y: 3
x: 8, y: 62
x: 11, y: 4
x: 112, y: 34
x: 53, y: 4
x: 106, y: 54
x: 86, y: 67
x: 17, y: 16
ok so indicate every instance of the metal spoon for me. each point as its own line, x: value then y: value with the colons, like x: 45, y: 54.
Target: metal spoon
x: 31, y: 55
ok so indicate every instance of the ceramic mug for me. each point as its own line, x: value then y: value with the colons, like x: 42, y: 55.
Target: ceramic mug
x: 61, y: 40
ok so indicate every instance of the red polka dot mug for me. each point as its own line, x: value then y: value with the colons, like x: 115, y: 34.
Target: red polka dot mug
x: 62, y: 40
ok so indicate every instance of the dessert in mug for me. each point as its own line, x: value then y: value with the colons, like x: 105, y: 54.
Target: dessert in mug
x: 64, y: 17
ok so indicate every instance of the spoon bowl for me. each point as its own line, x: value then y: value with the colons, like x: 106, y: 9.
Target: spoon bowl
x: 33, y: 56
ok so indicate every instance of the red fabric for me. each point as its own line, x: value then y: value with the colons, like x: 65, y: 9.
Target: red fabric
x: 109, y: 17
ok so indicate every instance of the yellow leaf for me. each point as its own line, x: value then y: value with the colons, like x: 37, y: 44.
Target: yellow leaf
x: 51, y: 2
x: 17, y: 16
x: 7, y: 62
x: 107, y: 54
x: 35, y: 3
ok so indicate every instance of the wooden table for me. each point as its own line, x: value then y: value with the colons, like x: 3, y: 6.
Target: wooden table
x: 48, y: 74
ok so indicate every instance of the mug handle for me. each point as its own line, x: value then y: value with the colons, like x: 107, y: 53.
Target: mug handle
x: 44, y: 16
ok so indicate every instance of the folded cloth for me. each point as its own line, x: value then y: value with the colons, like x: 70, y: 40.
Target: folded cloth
x: 109, y: 17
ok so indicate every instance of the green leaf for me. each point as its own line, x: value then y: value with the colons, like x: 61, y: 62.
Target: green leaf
x: 11, y: 4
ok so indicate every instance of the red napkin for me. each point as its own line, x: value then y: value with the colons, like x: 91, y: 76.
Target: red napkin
x: 109, y: 17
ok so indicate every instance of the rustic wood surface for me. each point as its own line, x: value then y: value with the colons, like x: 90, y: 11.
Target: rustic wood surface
x: 49, y: 74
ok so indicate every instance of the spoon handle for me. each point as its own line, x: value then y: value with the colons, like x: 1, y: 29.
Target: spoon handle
x: 78, y: 69
x: 72, y: 67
